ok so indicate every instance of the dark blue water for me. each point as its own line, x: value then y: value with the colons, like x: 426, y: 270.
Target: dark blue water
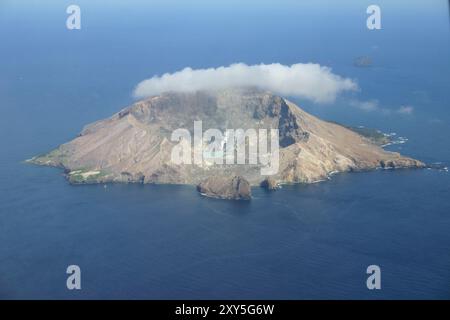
x: 145, y: 241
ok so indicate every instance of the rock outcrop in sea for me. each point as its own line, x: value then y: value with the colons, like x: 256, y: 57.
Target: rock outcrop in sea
x: 232, y: 188
x: 270, y: 184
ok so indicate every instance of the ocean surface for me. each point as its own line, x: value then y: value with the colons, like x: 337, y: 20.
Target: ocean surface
x: 164, y: 242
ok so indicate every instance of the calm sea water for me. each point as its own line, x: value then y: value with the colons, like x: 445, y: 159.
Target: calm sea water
x: 146, y: 241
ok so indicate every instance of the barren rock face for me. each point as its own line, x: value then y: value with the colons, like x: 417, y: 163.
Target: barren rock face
x: 134, y: 145
x: 232, y: 188
x: 270, y: 184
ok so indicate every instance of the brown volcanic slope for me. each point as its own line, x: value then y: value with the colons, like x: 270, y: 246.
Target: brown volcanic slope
x: 134, y: 144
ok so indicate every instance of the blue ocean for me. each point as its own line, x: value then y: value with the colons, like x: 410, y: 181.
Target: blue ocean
x: 168, y: 242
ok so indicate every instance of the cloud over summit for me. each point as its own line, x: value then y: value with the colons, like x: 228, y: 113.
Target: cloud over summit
x: 311, y: 81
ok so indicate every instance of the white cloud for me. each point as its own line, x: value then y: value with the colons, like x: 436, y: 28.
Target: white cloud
x: 374, y: 106
x: 310, y: 81
x: 371, y: 105
x: 405, y: 110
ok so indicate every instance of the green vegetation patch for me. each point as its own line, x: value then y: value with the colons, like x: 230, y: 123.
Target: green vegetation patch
x: 85, y: 176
